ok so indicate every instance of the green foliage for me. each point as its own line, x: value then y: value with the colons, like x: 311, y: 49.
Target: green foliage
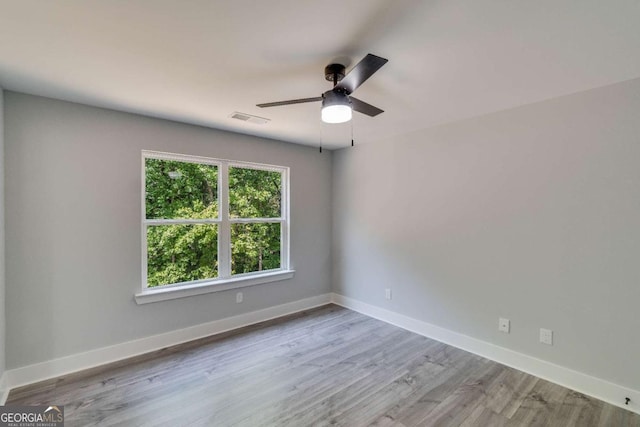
x: 181, y: 253
x: 192, y: 191
x: 255, y: 247
x: 186, y: 252
x: 254, y: 193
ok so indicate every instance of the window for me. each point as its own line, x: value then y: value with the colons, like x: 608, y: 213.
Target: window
x: 211, y: 224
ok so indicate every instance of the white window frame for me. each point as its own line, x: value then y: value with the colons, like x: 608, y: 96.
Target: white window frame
x: 224, y: 281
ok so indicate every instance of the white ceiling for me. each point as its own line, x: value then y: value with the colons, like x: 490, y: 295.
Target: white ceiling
x: 198, y: 61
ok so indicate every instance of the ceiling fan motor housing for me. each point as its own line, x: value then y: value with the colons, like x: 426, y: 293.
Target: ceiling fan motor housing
x: 334, y: 72
x: 335, y: 97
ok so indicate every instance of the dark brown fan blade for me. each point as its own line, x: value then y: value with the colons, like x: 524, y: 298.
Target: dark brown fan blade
x: 364, y: 108
x: 361, y: 72
x: 292, y: 101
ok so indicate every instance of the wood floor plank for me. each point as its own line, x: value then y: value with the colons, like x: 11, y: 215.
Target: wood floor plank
x: 367, y: 367
x: 340, y: 367
x: 172, y: 357
x: 256, y: 372
x: 181, y: 369
x: 540, y: 406
x: 505, y: 395
x: 482, y: 416
x: 577, y: 409
x: 459, y: 405
x: 435, y: 368
x: 612, y: 416
x: 416, y: 407
x: 325, y: 366
x: 360, y: 402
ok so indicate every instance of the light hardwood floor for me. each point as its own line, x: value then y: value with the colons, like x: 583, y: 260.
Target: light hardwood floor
x: 327, y: 366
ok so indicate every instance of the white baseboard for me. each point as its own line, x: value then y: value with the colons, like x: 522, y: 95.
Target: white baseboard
x: 586, y: 384
x: 77, y: 362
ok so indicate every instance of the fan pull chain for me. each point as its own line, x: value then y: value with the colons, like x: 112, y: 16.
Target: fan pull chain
x: 321, y: 135
x: 352, y: 132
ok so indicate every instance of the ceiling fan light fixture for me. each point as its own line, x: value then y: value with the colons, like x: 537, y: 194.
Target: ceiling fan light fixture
x: 336, y: 107
x: 336, y: 114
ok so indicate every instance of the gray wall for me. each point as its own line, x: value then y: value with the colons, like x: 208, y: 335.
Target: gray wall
x: 2, y: 269
x: 532, y: 214
x: 73, y: 226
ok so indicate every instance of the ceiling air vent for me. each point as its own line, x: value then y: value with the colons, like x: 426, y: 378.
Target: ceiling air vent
x: 249, y: 118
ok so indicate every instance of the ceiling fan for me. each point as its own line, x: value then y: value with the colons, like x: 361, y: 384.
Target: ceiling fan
x: 337, y: 103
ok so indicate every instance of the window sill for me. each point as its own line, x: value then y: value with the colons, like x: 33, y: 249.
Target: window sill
x: 174, y: 292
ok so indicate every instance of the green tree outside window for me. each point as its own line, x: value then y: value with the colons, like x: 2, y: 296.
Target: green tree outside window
x: 186, y: 195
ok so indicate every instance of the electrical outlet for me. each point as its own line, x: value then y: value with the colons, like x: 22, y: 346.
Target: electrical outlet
x: 239, y: 297
x: 387, y: 293
x: 546, y: 336
x: 503, y: 325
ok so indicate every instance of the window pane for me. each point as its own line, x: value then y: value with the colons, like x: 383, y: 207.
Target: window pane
x: 181, y: 253
x: 254, y: 247
x: 180, y: 190
x: 254, y: 193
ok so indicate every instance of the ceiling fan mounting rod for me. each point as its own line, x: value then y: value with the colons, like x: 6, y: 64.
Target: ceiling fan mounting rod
x: 334, y: 73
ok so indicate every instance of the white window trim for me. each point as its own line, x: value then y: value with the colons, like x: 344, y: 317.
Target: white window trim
x: 224, y: 281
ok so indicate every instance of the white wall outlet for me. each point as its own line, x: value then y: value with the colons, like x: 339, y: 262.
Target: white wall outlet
x: 546, y: 336
x: 504, y: 325
x: 387, y: 293
x: 239, y: 297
